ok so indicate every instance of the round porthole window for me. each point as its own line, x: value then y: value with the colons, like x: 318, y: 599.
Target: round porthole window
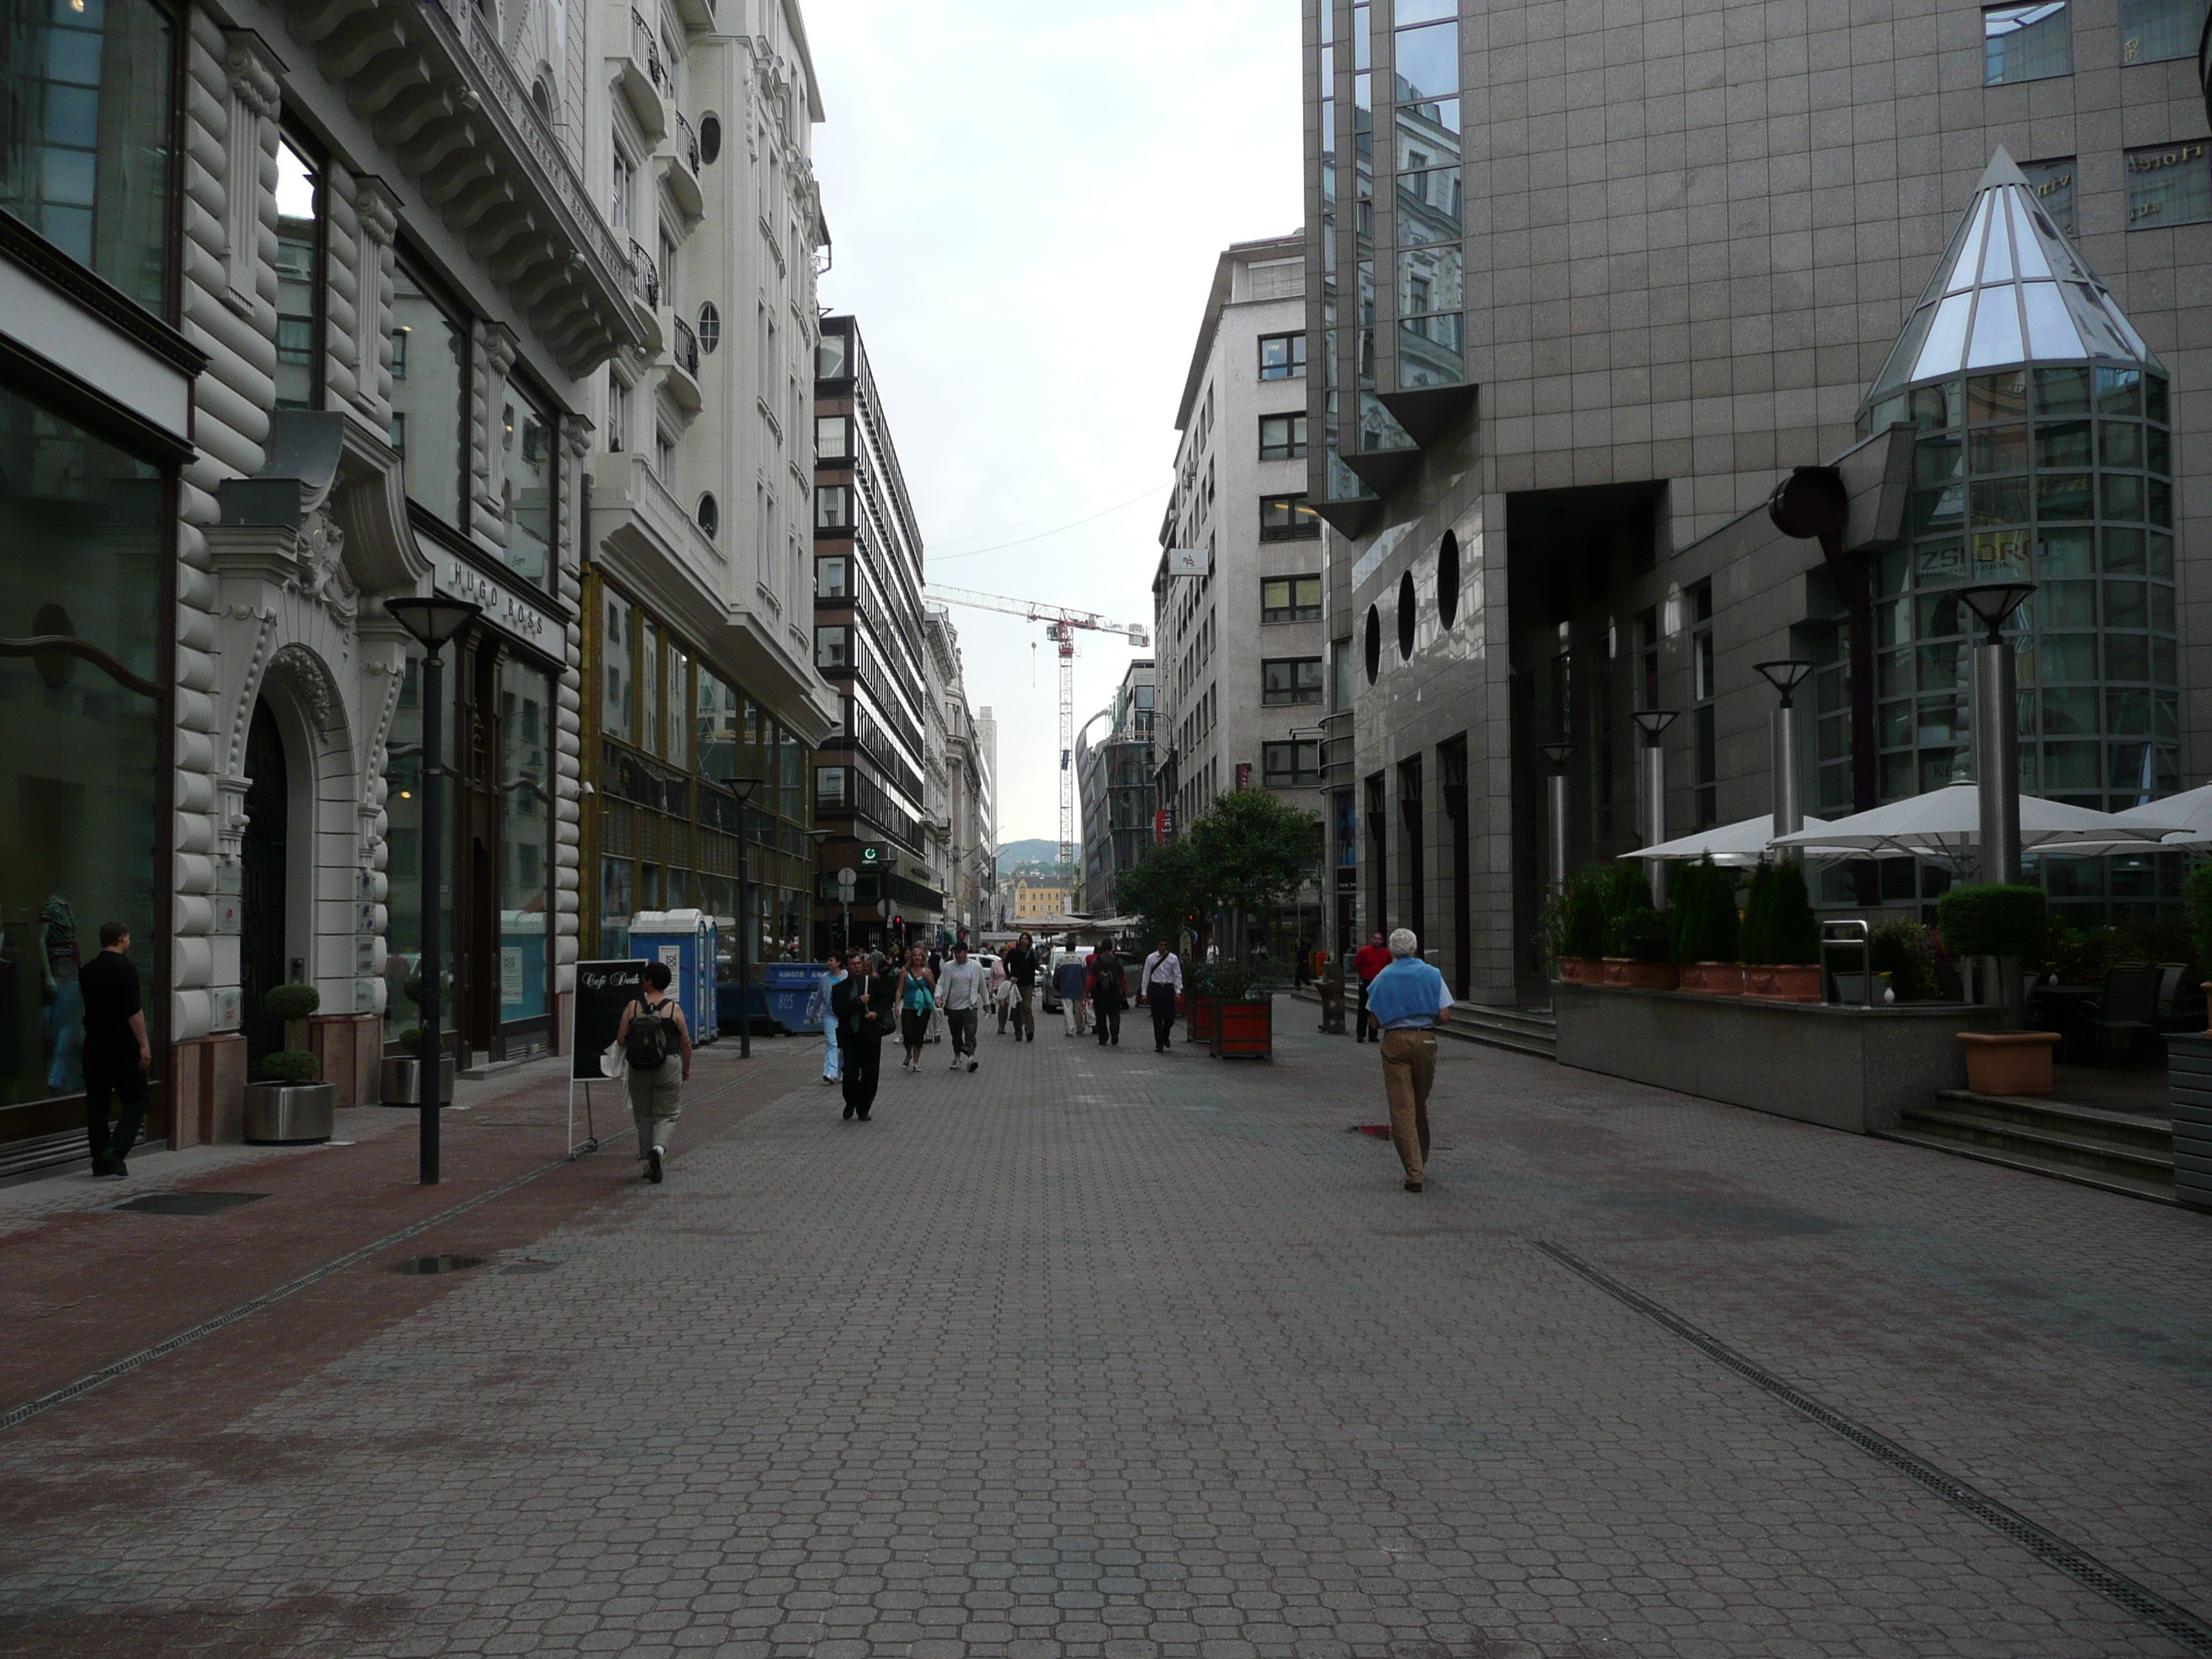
x: 1448, y: 580
x: 710, y: 328
x: 1406, y: 601
x: 710, y: 516
x: 1374, y: 643
x: 710, y: 139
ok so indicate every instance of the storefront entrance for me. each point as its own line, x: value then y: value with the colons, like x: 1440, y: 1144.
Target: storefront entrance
x: 263, y: 876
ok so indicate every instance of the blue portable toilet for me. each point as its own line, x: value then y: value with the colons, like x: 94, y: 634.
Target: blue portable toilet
x: 685, y: 940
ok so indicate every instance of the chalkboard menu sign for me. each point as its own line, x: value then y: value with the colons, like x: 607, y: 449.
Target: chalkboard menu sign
x: 603, y: 989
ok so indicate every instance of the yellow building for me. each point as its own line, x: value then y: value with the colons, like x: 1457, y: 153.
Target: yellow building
x: 1034, y: 899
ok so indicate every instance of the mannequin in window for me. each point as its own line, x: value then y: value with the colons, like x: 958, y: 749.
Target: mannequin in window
x: 63, y: 1001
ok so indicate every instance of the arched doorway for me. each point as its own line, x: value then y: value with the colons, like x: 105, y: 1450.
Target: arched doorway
x: 263, y: 876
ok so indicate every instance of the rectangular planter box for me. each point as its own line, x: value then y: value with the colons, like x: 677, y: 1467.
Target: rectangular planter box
x: 1582, y: 970
x: 1713, y: 979
x: 1200, y: 1010
x: 1243, y: 1030
x: 1848, y: 1068
x: 1627, y: 972
x: 2189, y: 1087
x: 289, y: 1114
x: 1794, y: 983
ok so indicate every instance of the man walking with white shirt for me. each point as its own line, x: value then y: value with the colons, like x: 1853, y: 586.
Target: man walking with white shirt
x: 961, y: 986
x: 1162, y: 980
x: 1406, y: 1002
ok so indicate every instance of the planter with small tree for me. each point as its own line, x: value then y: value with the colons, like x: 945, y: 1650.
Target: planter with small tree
x: 1780, y: 941
x: 2011, y: 923
x: 287, y: 1104
x: 399, y: 1075
x: 1574, y: 928
x: 1637, y: 956
x: 1705, y: 920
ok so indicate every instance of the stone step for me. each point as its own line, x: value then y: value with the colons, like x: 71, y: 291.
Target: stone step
x: 1524, y: 1031
x: 2060, y: 1139
x: 2146, y: 1129
x: 2156, y: 1191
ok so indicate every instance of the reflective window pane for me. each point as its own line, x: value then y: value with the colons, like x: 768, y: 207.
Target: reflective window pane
x: 430, y: 395
x: 2169, y: 184
x: 2025, y: 43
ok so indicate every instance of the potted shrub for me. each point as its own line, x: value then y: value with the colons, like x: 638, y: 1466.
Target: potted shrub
x: 1706, y: 925
x: 1575, y: 928
x: 1243, y: 1024
x: 1198, y: 1000
x: 287, y: 1104
x: 290, y: 1005
x: 398, y: 1079
x: 1636, y: 951
x: 2010, y: 922
x: 1780, y: 941
x: 1904, y: 953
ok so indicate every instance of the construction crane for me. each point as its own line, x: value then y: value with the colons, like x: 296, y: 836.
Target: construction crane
x: 1060, y: 628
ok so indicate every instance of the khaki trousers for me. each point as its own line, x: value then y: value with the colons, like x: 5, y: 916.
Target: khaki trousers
x: 1409, y: 1067
x: 656, y: 1101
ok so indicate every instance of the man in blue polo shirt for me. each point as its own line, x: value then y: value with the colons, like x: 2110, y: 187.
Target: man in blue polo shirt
x: 1406, y: 1002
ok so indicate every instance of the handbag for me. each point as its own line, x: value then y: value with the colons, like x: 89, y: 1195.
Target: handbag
x: 613, y: 1063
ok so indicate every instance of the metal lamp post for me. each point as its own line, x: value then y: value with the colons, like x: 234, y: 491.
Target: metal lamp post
x: 821, y: 840
x: 431, y: 622
x: 1785, y: 675
x: 1653, y: 723
x: 743, y: 789
x: 1997, y: 728
x: 1555, y: 809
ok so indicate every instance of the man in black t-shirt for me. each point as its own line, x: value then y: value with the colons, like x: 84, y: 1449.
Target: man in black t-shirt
x: 116, y: 1053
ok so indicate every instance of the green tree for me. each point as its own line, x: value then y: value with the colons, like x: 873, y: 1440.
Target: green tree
x: 1254, y: 850
x: 1166, y: 888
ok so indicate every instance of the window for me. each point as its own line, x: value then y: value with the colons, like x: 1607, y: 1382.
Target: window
x: 298, y: 278
x: 1704, y: 744
x: 832, y: 436
x: 618, y: 416
x: 833, y: 578
x: 1282, y: 356
x: 710, y: 140
x: 829, y: 789
x: 1290, y: 599
x: 531, y: 487
x: 1282, y: 437
x: 1290, y: 765
x: 2025, y: 43
x: 1287, y: 519
x: 617, y: 655
x: 624, y: 196
x: 717, y: 741
x: 1285, y: 680
x: 833, y: 507
x: 84, y: 151
x: 430, y: 395
x: 710, y: 328
x: 2169, y: 184
x: 709, y: 516
x: 649, y: 688
x: 2053, y: 183
x: 663, y: 456
x: 2153, y: 31
x: 833, y: 646
x: 833, y: 357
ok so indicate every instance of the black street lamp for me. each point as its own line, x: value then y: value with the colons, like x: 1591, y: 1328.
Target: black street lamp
x: 431, y: 622
x: 1997, y: 728
x: 1785, y: 675
x: 821, y: 840
x: 743, y: 789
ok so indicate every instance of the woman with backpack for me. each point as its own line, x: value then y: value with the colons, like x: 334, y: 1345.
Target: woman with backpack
x: 656, y: 1045
x: 917, y: 1002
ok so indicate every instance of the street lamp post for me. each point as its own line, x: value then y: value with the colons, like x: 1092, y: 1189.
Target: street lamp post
x: 743, y: 789
x: 1785, y: 675
x: 821, y: 840
x: 1653, y: 723
x: 1555, y: 811
x: 1997, y: 728
x: 431, y: 622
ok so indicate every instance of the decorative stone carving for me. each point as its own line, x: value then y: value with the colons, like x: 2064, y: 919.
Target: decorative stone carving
x: 321, y: 575
x: 257, y: 96
x: 309, y: 680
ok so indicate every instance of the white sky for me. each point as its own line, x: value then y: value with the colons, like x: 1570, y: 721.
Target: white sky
x: 1026, y: 199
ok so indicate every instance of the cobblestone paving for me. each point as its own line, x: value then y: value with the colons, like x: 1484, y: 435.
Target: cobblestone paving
x: 1101, y: 1353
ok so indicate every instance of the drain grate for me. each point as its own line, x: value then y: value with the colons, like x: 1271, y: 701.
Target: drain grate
x: 437, y: 1264
x: 2123, y: 1592
x: 186, y: 1203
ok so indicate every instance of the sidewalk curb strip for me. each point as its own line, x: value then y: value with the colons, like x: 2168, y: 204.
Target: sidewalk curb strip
x: 2176, y: 1622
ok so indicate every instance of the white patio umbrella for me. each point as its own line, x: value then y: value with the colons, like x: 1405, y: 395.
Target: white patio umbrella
x: 1730, y: 845
x: 2192, y: 811
x: 1945, y: 825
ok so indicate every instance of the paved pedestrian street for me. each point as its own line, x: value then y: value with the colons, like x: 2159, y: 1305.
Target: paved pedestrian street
x: 1101, y: 1353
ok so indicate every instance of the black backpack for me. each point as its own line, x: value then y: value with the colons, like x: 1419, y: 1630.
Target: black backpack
x: 650, y: 1034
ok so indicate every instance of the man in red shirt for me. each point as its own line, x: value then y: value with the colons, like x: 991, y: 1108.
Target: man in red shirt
x: 1372, y: 959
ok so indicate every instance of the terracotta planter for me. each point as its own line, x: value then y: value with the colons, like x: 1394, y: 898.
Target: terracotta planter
x: 1631, y: 975
x: 1243, y: 1030
x: 1713, y: 979
x: 1782, y: 982
x: 1201, y: 1012
x: 2009, y: 1062
x: 1582, y: 971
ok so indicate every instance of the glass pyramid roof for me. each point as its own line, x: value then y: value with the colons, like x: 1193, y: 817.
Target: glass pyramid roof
x: 2010, y: 291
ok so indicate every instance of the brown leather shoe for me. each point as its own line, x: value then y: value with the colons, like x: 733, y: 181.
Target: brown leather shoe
x: 1413, y: 1186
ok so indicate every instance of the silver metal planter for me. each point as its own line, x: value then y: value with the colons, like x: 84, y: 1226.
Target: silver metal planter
x: 400, y: 1081
x: 289, y: 1114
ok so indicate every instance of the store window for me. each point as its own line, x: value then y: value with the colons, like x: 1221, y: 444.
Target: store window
x: 84, y: 533
x: 299, y: 254
x: 1290, y: 599
x: 530, y: 490
x: 649, y: 688
x: 88, y: 88
x: 2053, y: 183
x: 2169, y: 184
x: 2157, y: 31
x: 718, y: 727
x: 1286, y: 680
x: 430, y: 395
x: 2026, y: 43
x: 525, y: 865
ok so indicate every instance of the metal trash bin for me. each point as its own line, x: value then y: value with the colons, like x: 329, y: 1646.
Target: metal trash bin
x: 289, y: 1114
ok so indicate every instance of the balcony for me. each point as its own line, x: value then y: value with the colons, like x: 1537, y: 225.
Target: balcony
x: 645, y: 80
x: 1336, y: 750
x: 645, y: 292
x: 683, y: 366
x: 683, y: 171
x: 436, y: 84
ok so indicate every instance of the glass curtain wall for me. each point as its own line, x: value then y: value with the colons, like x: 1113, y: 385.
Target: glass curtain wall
x: 84, y: 154
x: 1429, y: 224
x: 83, y: 535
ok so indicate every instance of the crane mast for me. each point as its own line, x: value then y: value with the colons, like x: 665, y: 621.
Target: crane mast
x: 1060, y: 628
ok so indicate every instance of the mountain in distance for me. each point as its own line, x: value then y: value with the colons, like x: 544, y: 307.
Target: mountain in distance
x: 1013, y: 854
